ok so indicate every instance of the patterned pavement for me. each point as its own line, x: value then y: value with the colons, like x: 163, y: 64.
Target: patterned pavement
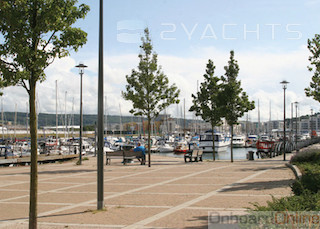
x: 169, y: 194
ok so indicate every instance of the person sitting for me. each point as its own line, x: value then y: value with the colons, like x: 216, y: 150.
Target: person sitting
x: 142, y: 149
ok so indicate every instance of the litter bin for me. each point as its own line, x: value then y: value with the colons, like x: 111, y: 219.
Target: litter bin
x: 250, y: 155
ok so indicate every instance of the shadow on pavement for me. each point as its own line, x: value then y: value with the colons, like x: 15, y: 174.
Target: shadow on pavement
x: 260, y: 185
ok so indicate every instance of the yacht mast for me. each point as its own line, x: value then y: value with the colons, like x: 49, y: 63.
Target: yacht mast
x: 56, y: 110
x: 2, y: 119
x: 65, y: 115
x: 120, y: 120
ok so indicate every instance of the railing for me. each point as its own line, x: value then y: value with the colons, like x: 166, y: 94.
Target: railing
x: 277, y: 148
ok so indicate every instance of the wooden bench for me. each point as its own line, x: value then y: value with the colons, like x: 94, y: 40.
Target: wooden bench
x: 113, y: 155
x: 193, y: 156
x: 125, y: 155
x: 130, y: 155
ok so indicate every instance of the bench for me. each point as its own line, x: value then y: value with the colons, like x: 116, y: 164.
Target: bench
x: 193, y: 156
x: 113, y: 155
x: 130, y: 155
x: 125, y: 155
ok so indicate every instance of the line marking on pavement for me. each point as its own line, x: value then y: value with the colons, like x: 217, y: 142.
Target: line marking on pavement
x: 122, y: 193
x: 160, y: 215
x: 68, y: 187
x: 10, y: 222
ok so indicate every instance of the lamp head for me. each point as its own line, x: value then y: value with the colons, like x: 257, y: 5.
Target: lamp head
x: 81, y: 67
x: 284, y: 84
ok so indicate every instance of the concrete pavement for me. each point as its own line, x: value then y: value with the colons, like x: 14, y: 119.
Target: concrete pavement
x: 170, y: 194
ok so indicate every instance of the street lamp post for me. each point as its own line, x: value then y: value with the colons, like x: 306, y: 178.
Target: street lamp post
x: 296, y: 103
x: 81, y: 67
x: 284, y: 86
x: 100, y: 181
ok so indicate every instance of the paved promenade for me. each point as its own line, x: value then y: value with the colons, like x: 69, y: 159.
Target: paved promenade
x: 170, y: 194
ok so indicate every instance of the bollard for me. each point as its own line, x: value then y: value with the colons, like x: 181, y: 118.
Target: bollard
x: 250, y: 155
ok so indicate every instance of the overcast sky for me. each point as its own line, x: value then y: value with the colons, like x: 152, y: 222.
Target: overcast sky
x: 269, y: 38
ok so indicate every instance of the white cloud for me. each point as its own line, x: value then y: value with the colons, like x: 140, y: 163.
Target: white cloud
x: 260, y: 73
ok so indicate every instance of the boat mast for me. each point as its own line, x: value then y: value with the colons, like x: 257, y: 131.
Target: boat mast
x: 65, y: 114
x: 26, y: 119
x: 106, y: 115
x: 15, y: 121
x: 72, y: 118
x: 2, y: 119
x: 120, y: 120
x: 258, y: 117
x: 270, y: 126
x: 184, y: 117
x: 56, y: 110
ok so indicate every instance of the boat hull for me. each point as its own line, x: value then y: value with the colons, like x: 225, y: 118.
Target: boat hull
x: 221, y: 143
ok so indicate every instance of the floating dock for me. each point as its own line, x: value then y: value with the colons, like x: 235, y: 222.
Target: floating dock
x: 41, y: 158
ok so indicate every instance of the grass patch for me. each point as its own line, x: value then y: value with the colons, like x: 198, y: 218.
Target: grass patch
x: 95, y: 211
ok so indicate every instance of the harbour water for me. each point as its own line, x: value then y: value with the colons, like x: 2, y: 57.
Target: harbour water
x: 238, y: 154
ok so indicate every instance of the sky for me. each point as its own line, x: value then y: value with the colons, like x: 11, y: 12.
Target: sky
x: 269, y: 38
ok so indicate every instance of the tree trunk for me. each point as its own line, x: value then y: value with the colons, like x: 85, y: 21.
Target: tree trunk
x: 213, y: 146
x: 231, y: 127
x: 149, y: 142
x: 34, y: 158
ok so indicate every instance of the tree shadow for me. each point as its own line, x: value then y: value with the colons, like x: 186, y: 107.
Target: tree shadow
x: 258, y: 185
x: 203, y: 219
x: 56, y: 172
x: 46, y: 216
x: 257, y: 169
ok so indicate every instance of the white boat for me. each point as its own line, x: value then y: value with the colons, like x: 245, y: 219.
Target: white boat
x: 165, y: 148
x: 238, y: 141
x: 221, y: 142
x: 252, y: 141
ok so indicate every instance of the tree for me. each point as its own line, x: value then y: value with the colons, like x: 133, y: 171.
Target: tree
x: 148, y: 88
x: 35, y: 33
x: 314, y: 48
x: 236, y: 101
x: 207, y: 102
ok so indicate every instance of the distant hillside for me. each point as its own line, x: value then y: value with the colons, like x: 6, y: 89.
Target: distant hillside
x: 50, y: 119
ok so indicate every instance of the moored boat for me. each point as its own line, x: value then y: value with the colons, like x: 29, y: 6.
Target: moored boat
x: 238, y: 141
x: 181, y: 147
x: 221, y: 142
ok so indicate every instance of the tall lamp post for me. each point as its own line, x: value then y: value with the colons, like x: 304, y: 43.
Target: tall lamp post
x: 296, y: 139
x: 284, y: 86
x: 81, y: 67
x: 100, y: 181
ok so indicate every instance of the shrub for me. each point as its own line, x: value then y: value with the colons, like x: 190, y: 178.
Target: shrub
x: 310, y: 179
x: 306, y: 190
x: 304, y: 202
x: 311, y: 156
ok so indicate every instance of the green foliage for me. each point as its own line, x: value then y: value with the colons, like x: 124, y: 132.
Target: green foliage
x: 314, y: 48
x: 35, y: 33
x: 310, y: 156
x: 304, y: 202
x: 306, y: 190
x: 310, y: 179
x: 207, y: 102
x: 148, y: 88
x: 235, y: 100
x: 308, y: 163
